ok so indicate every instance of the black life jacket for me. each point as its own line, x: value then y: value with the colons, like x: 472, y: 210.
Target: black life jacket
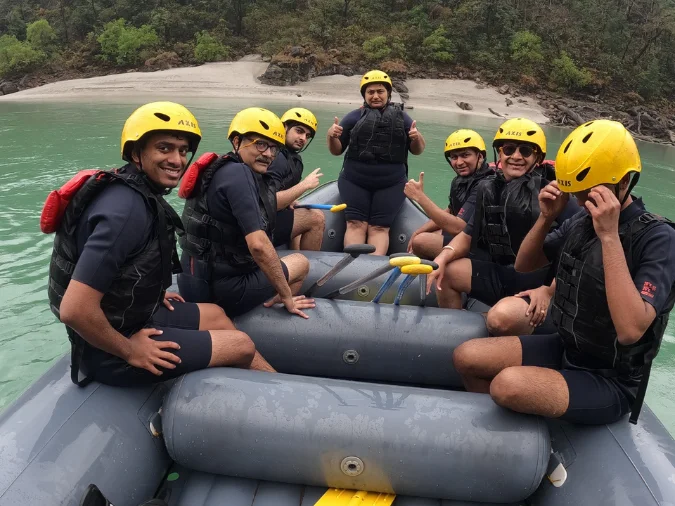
x: 221, y: 243
x: 138, y: 290
x: 290, y: 175
x: 506, y: 211
x: 462, y: 186
x: 379, y: 136
x: 581, y: 312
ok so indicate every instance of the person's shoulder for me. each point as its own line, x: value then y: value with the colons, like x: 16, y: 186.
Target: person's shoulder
x: 232, y: 173
x: 352, y: 116
x: 118, y: 197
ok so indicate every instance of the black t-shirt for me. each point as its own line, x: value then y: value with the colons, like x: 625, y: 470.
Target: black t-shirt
x: 280, y: 173
x: 115, y: 226
x: 653, y: 255
x: 380, y: 175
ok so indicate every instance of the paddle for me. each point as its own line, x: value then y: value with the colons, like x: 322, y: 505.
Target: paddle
x: 423, y: 282
x: 412, y: 272
x: 328, y: 207
x: 352, y: 253
x: 401, y: 262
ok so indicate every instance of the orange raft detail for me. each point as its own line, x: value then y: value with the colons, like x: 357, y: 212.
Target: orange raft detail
x: 58, y: 200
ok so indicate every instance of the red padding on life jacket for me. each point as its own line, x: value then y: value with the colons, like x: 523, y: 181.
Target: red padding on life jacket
x: 193, y: 173
x: 58, y: 200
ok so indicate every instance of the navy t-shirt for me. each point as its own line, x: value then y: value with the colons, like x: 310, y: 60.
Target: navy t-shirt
x: 469, y: 207
x: 116, y: 226
x: 376, y: 175
x: 279, y: 172
x: 653, y: 255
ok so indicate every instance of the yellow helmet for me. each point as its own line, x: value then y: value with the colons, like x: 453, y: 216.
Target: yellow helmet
x: 302, y: 116
x: 523, y: 130
x: 375, y: 76
x: 597, y: 152
x: 159, y: 116
x: 260, y: 121
x: 464, y: 138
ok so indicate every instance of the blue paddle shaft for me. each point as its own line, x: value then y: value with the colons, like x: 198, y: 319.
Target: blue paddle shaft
x: 407, y: 281
x: 385, y: 286
x: 315, y: 206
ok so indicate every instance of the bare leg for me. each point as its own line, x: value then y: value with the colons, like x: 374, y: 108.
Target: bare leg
x: 260, y: 364
x: 295, y: 243
x: 356, y: 232
x: 213, y: 317
x: 457, y: 279
x: 532, y: 390
x: 309, y: 225
x: 478, y: 361
x: 298, y: 268
x: 378, y: 237
x: 507, y: 318
x: 231, y: 348
x: 428, y: 244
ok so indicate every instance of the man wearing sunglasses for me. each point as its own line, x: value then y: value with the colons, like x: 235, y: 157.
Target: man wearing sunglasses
x: 466, y: 154
x: 299, y: 228
x: 615, y: 286
x: 506, y: 209
x: 229, y: 216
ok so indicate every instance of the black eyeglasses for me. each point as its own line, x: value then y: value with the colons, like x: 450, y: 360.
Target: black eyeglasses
x: 263, y: 146
x: 525, y: 150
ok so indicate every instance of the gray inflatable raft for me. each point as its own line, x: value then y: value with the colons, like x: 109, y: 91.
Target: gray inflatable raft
x: 245, y: 438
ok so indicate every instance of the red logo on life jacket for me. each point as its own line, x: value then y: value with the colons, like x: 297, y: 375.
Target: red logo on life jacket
x: 58, y: 200
x: 193, y: 174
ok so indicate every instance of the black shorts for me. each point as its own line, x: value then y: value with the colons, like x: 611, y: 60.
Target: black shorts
x: 180, y: 326
x: 491, y: 282
x: 376, y: 206
x: 284, y: 227
x: 239, y: 294
x: 594, y: 399
x: 447, y: 237
x: 547, y: 326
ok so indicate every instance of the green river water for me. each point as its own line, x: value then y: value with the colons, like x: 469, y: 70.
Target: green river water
x: 44, y: 144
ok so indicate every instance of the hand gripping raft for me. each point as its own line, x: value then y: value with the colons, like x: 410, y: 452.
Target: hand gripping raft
x: 352, y: 435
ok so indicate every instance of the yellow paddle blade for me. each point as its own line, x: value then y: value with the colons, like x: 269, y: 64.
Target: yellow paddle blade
x: 342, y: 497
x: 401, y: 261
x: 338, y: 208
x: 417, y: 269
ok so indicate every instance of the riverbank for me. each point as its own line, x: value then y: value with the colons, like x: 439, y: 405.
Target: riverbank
x: 240, y: 80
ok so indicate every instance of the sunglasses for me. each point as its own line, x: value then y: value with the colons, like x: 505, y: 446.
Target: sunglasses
x: 525, y: 150
x: 263, y: 146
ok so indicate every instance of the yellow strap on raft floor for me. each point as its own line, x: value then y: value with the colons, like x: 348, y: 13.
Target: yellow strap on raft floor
x: 342, y: 497
x: 417, y: 269
x: 401, y: 261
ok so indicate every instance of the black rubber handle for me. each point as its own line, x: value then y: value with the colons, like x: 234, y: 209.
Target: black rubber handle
x: 397, y: 255
x: 359, y: 249
x: 429, y: 262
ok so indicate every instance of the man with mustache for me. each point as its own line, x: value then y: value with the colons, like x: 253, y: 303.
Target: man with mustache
x: 228, y: 252
x: 299, y: 228
x: 114, y: 253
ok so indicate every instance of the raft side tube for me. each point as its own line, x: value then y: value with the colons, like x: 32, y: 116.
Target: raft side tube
x: 354, y: 435
x: 360, y: 340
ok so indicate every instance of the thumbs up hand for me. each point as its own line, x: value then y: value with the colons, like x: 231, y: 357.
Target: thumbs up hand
x: 335, y: 130
x: 414, y: 190
x: 413, y: 133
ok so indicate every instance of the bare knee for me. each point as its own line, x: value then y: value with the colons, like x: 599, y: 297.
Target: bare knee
x: 361, y: 226
x: 231, y: 348
x: 504, y: 318
x: 317, y: 219
x: 377, y: 229
x: 465, y: 358
x: 213, y: 317
x: 506, y: 386
x: 298, y: 266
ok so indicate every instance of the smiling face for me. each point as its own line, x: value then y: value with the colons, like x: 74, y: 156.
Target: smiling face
x: 256, y: 151
x: 376, y: 95
x: 465, y: 161
x: 297, y: 137
x: 512, y: 161
x: 163, y: 158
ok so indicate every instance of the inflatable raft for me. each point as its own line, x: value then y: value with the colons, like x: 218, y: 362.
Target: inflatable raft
x: 366, y: 399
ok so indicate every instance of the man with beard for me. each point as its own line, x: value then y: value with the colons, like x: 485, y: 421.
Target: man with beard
x: 299, y: 228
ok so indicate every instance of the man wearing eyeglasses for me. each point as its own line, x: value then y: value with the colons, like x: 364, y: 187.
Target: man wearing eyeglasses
x: 506, y: 208
x: 228, y: 253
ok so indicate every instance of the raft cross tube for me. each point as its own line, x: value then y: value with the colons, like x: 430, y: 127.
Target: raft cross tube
x: 392, y: 264
x: 352, y: 253
x: 412, y: 441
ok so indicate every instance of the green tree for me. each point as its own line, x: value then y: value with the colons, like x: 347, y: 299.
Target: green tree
x: 209, y: 48
x: 41, y: 36
x: 377, y: 48
x: 17, y: 57
x: 437, y: 47
x: 127, y: 45
x: 567, y: 75
x: 526, y: 51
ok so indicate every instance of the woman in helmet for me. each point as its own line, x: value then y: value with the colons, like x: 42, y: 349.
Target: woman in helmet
x: 614, y: 288
x: 377, y: 139
x: 112, y: 263
x: 299, y: 228
x: 229, y: 217
x: 465, y: 152
x: 506, y: 208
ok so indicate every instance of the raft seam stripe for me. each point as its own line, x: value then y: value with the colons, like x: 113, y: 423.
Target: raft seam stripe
x: 633, y: 464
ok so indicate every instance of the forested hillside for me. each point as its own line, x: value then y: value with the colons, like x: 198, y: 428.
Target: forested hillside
x: 595, y: 47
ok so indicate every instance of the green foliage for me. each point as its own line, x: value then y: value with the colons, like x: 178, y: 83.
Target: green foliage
x: 377, y: 48
x: 41, y: 36
x: 526, y: 50
x: 17, y: 56
x: 127, y: 45
x: 209, y: 48
x: 436, y: 48
x: 567, y: 75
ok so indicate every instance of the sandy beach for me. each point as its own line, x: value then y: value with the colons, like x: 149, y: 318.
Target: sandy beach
x: 239, y: 80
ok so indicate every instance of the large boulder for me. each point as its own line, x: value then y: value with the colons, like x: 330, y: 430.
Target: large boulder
x: 163, y: 61
x: 7, y: 87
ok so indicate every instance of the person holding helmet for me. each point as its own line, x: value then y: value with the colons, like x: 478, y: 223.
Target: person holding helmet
x: 229, y: 215
x: 465, y: 152
x: 615, y: 285
x: 506, y: 209
x: 377, y: 138
x: 299, y: 228
x: 114, y: 253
